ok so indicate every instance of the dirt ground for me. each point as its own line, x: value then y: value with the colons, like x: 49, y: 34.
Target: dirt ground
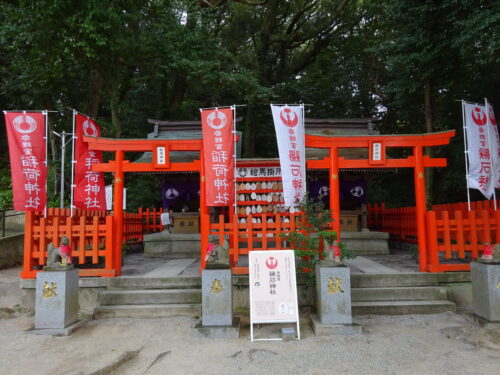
x: 414, y: 344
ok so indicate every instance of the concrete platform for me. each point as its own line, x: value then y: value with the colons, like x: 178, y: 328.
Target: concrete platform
x: 220, y: 332
x: 66, y: 331
x: 333, y: 329
x: 172, y: 245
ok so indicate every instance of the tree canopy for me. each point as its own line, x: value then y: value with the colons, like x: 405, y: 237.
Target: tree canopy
x: 406, y: 62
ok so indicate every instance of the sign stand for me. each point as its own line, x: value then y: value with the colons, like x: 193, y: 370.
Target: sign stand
x: 273, y: 290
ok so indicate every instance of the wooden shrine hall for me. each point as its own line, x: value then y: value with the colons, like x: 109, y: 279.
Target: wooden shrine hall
x: 263, y: 230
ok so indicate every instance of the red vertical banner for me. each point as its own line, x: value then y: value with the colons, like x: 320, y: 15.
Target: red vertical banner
x: 27, y: 148
x: 89, y: 193
x: 218, y: 151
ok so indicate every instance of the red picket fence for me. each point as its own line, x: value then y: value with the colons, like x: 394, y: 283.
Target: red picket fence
x: 455, y: 235
x: 399, y: 222
x: 455, y: 240
x: 245, y: 237
x: 90, y: 234
x: 91, y: 241
x: 151, y: 221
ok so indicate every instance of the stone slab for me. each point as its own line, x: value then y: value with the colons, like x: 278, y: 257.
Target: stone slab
x: 60, y: 331
x: 333, y: 294
x: 57, y: 306
x: 486, y: 290
x: 481, y: 322
x: 320, y: 329
x: 216, y: 298
x: 172, y: 268
x: 220, y: 332
x: 366, y: 265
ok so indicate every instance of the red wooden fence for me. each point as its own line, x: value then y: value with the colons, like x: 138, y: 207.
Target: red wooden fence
x: 454, y: 240
x: 90, y: 234
x: 91, y: 241
x: 455, y: 235
x: 252, y: 235
x: 151, y: 219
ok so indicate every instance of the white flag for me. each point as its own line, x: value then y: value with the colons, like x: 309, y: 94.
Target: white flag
x: 289, y: 125
x: 480, y: 144
x: 495, y: 143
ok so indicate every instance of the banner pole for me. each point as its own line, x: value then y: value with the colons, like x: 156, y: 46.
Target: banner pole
x: 72, y: 164
x: 46, y: 159
x: 234, y: 158
x: 487, y: 114
x: 466, y: 153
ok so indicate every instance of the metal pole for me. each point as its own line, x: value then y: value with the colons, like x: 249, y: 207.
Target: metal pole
x: 63, y: 153
x: 466, y: 153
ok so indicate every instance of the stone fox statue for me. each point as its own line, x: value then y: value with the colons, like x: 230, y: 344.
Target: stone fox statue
x: 58, y: 255
x: 219, y: 254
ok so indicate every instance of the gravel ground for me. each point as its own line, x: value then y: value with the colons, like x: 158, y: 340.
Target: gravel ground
x: 414, y: 344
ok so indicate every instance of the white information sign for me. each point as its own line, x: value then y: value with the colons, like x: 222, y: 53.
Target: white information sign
x: 273, y: 288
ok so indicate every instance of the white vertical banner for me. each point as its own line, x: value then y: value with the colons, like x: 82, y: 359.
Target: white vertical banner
x: 495, y: 143
x: 290, y: 134
x: 481, y: 152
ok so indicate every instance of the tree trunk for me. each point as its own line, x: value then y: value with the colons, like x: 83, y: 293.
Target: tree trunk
x: 95, y: 93
x: 249, y: 132
x: 177, y: 95
x: 115, y: 109
x: 429, y: 120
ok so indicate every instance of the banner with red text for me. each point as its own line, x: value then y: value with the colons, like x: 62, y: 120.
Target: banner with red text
x: 218, y: 153
x: 289, y: 125
x: 28, y: 153
x: 89, y: 192
x: 495, y: 144
x: 483, y: 148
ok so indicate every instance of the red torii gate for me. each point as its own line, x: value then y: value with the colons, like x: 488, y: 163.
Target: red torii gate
x: 376, y: 145
x: 160, y: 150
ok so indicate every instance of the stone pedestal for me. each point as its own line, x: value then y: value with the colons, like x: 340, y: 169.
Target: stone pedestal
x: 333, y: 294
x: 56, y: 302
x: 216, y: 298
x: 486, y: 290
x: 217, y: 305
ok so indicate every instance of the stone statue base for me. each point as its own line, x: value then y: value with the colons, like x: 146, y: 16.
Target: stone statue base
x: 320, y: 329
x: 333, y: 300
x: 485, y: 279
x: 217, y: 266
x: 56, y: 301
x: 217, y: 305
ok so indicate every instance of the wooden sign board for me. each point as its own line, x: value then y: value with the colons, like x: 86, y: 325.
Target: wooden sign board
x: 273, y: 289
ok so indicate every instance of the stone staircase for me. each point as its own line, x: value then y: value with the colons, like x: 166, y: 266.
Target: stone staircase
x: 375, y: 294
x: 398, y: 294
x: 150, y: 297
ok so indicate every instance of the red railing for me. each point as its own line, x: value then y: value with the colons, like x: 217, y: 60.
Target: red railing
x: 455, y: 235
x: 252, y: 235
x: 90, y: 234
x: 455, y: 239
x: 399, y: 222
x: 151, y: 219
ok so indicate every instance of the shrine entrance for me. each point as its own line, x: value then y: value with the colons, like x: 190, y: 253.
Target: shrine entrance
x: 248, y: 228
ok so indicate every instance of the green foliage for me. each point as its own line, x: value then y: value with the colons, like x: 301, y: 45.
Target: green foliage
x: 312, y: 229
x: 123, y: 62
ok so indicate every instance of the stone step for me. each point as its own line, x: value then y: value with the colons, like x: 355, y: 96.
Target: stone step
x: 150, y: 296
x: 394, y: 280
x: 398, y: 294
x: 146, y: 311
x: 140, y: 282
x: 401, y: 307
